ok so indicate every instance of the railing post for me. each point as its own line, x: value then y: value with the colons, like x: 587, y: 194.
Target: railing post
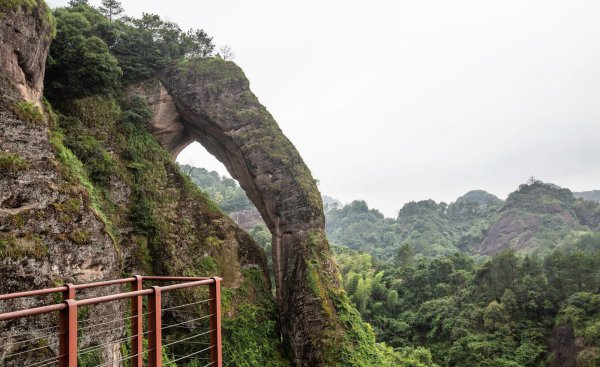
x: 65, y: 330
x: 67, y: 344
x: 216, y: 354
x: 137, y: 324
x: 69, y: 293
x: 155, y: 328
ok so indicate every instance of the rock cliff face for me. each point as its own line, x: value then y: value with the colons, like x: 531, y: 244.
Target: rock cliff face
x: 215, y: 107
x: 60, y: 223
x: 44, y: 217
x: 534, y: 216
x: 49, y: 230
x: 25, y: 35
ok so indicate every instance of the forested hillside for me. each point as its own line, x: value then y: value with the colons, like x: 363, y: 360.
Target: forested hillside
x: 425, y: 278
x: 222, y: 190
x: 422, y: 281
x: 593, y: 195
x: 536, y: 218
x: 510, y: 310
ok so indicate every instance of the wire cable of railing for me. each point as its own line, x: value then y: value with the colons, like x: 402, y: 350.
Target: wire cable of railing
x: 107, y: 315
x: 188, y: 338
x: 47, y: 362
x: 187, y: 322
x: 190, y: 355
x: 188, y: 304
x: 28, y: 332
x: 113, y: 361
x: 110, y: 322
x: 46, y: 336
x: 195, y: 343
x: 101, y: 332
x: 174, y: 356
x: 31, y: 350
x: 94, y: 348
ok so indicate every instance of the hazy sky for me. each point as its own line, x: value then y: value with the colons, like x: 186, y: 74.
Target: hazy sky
x: 393, y: 101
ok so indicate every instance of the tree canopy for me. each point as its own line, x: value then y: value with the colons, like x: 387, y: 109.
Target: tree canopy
x: 95, y: 52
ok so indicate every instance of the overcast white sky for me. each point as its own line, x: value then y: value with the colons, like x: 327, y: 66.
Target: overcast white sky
x: 393, y: 101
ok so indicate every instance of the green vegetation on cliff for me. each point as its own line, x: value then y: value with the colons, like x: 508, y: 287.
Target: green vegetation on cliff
x: 11, y: 162
x: 94, y: 55
x: 46, y: 18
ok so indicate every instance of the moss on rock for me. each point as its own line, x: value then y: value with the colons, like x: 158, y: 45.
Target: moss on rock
x: 12, y: 162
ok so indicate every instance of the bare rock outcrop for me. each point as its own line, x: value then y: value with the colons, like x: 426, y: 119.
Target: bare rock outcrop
x: 25, y: 36
x: 49, y: 230
x: 217, y: 109
x: 563, y: 346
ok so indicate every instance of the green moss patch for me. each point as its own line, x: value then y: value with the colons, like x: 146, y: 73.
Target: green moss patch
x: 249, y: 332
x: 30, y: 246
x: 12, y: 162
x: 80, y: 236
x: 28, y: 112
x: 14, y: 5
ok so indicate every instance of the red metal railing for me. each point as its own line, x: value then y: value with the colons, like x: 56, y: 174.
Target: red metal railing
x: 158, y: 351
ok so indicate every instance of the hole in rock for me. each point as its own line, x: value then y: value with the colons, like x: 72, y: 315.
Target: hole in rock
x: 213, y: 178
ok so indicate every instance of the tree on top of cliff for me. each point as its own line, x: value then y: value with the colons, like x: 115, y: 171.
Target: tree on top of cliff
x: 123, y: 50
x: 80, y: 62
x: 197, y: 43
x: 78, y: 2
x: 111, y: 8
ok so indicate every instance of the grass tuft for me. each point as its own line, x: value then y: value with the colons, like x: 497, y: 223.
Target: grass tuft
x: 12, y: 163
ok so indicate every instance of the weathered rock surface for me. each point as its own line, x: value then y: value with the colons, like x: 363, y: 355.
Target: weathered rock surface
x: 218, y: 110
x: 49, y: 231
x: 25, y: 35
x: 563, y: 347
x: 46, y: 222
x: 166, y: 123
x: 246, y: 219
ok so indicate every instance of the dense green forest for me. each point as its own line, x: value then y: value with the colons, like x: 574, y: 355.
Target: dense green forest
x: 421, y: 280
x: 222, y: 190
x: 426, y: 278
x: 499, y: 312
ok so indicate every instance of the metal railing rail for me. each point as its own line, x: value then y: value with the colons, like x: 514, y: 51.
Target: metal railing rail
x: 67, y: 330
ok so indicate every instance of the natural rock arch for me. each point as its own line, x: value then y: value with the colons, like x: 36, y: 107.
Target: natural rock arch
x: 210, y: 101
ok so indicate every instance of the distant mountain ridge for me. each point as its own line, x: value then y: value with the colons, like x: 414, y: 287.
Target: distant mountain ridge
x: 534, y: 219
x: 593, y: 195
